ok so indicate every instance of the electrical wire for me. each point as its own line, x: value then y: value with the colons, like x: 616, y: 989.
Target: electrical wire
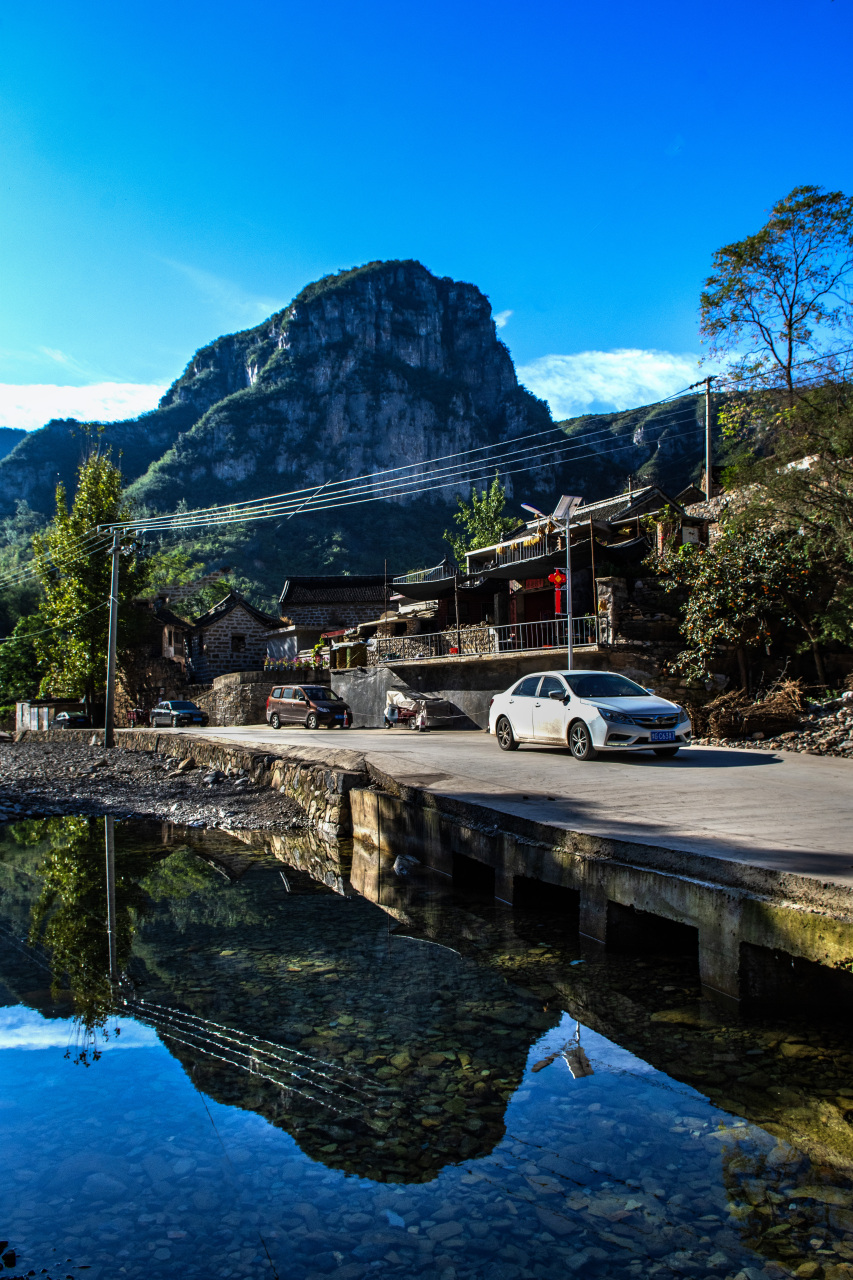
x: 294, y: 494
x: 416, y: 485
x: 279, y: 505
x: 64, y: 626
x: 85, y: 545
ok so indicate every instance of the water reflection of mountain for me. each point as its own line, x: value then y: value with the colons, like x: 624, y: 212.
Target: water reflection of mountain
x: 399, y: 1055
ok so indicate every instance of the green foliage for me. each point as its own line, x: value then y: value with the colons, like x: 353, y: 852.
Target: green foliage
x: 806, y: 488
x: 742, y: 591
x: 21, y: 672
x: 483, y: 522
x: 73, y: 612
x: 16, y: 556
x: 780, y: 299
x: 69, y: 917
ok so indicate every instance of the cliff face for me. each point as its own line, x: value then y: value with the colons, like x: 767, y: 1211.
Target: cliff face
x: 374, y: 368
x: 369, y: 369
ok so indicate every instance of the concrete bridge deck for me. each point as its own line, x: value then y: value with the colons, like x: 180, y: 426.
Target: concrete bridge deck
x: 783, y: 811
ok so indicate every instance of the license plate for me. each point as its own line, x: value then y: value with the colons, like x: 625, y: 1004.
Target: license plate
x: 339, y: 717
x: 662, y: 735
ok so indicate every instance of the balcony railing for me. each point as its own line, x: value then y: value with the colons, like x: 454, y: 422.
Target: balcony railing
x: 438, y: 573
x: 518, y: 552
x: 485, y: 639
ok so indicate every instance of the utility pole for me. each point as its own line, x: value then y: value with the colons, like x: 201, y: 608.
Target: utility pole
x: 709, y: 451
x: 110, y: 708
x: 109, y: 834
x: 563, y: 511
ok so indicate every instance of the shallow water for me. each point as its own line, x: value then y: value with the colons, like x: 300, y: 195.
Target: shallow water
x: 291, y: 1080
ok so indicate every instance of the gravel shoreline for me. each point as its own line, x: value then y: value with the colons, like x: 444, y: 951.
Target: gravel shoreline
x: 47, y: 779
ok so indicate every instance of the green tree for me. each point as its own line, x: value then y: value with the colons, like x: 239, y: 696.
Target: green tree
x: 20, y: 670
x: 779, y: 301
x: 75, y: 578
x: 483, y: 522
x: 752, y: 583
x: 69, y: 917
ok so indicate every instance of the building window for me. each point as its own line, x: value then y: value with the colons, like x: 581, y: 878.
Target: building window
x: 238, y: 643
x: 170, y: 640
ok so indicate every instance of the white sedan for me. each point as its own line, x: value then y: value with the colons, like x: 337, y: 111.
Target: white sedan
x: 588, y: 711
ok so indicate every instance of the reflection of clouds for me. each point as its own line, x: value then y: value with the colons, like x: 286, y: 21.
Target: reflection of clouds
x: 32, y: 405
x: 607, y: 380
x: 22, y: 1028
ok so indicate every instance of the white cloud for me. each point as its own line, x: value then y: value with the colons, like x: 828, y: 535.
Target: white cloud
x: 22, y: 1028
x: 228, y: 297
x: 32, y: 405
x: 501, y: 318
x: 598, y: 381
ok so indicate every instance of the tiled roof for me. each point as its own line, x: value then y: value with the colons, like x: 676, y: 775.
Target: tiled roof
x: 224, y: 607
x: 338, y: 589
x: 621, y: 505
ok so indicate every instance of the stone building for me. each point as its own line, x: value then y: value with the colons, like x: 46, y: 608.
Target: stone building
x: 232, y: 636
x: 328, y: 603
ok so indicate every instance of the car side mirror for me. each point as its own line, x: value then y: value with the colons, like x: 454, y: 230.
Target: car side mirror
x: 558, y: 697
x: 650, y: 691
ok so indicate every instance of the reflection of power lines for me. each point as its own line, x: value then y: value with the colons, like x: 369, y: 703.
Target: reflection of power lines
x: 26, y: 949
x: 343, y: 1091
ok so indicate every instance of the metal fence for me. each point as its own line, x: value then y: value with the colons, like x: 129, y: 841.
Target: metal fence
x: 518, y: 552
x: 438, y: 573
x: 480, y: 640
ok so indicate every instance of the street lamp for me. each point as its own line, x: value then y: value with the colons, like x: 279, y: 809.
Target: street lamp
x: 563, y: 511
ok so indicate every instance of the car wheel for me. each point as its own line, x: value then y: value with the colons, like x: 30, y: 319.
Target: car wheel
x: 666, y: 753
x: 275, y: 720
x: 311, y: 721
x: 580, y: 742
x: 507, y: 740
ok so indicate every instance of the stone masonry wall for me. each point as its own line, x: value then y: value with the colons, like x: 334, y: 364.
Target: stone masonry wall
x: 219, y: 656
x: 329, y: 617
x: 240, y: 697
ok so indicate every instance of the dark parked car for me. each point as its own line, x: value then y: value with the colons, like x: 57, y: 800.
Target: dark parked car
x: 308, y: 704
x: 174, y: 713
x: 71, y: 720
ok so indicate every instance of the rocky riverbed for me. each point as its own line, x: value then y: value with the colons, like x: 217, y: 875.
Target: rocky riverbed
x: 43, y: 779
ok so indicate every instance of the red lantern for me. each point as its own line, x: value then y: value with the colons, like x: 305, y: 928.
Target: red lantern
x: 558, y: 578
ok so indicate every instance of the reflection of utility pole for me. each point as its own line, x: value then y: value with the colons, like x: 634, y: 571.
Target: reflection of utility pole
x: 109, y: 833
x: 110, y: 707
x: 709, y: 452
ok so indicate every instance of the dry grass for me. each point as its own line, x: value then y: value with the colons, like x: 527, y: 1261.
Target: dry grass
x: 737, y: 715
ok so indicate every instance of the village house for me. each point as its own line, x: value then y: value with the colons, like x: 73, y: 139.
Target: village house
x: 230, y: 637
x: 333, y: 602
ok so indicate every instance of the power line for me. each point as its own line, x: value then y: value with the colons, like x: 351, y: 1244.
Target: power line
x: 379, y: 488
x: 404, y: 487
x: 28, y: 572
x: 28, y: 635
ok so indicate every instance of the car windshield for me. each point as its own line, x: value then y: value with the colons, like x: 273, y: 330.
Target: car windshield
x: 182, y: 706
x: 319, y: 694
x: 603, y: 684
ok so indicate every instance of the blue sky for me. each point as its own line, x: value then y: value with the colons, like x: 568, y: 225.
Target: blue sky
x: 175, y: 171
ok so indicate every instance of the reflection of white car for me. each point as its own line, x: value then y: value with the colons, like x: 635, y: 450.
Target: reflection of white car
x: 588, y: 711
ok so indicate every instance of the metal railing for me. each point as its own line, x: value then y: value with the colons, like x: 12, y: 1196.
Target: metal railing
x: 438, y: 573
x: 518, y: 552
x: 481, y: 640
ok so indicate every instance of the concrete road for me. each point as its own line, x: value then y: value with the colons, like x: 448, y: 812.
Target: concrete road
x: 782, y: 810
